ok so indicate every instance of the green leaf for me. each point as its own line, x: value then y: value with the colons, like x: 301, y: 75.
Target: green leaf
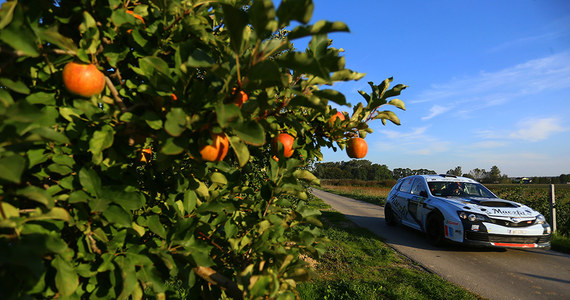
x: 16, y: 86
x: 200, y: 59
x: 173, y: 146
x: 227, y: 113
x: 117, y: 215
x: 7, y: 13
x: 175, y: 121
x: 101, y: 140
x: 78, y: 197
x: 306, y: 176
x: 51, y: 135
x: 346, y: 75
x: 395, y: 91
x: 139, y: 38
x: 152, y: 120
x: 230, y: 229
x: 127, y: 200
x: 12, y: 167
x: 10, y: 212
x: 251, y: 132
x: 306, y: 211
x: 303, y: 63
x: 128, y: 274
x: 37, y: 194
x: 90, y: 181
x: 236, y: 21
x: 53, y: 36
x: 387, y: 115
x: 190, y: 200
x: 66, y: 279
x: 21, y: 39
x: 57, y: 213
x: 398, y: 103
x: 41, y: 98
x: 155, y: 226
x: 262, y: 16
x: 320, y: 27
x: 240, y: 149
x: 333, y: 95
x: 295, y: 10
x: 218, y: 178
x: 265, y: 74
x: 150, y: 64
x: 120, y: 17
x: 6, y: 98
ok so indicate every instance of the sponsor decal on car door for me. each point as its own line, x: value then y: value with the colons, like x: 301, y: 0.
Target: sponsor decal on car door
x: 418, y: 195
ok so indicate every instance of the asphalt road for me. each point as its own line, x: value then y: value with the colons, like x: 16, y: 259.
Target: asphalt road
x: 488, y: 272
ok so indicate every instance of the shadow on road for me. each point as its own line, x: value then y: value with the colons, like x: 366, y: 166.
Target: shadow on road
x: 407, y: 237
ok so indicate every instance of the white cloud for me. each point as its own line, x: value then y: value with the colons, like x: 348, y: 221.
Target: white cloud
x: 530, y: 130
x: 535, y: 130
x: 416, y: 142
x: 435, y: 111
x: 488, y: 89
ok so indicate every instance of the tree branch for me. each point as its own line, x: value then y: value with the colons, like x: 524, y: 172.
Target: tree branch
x: 118, y: 100
x: 214, y: 277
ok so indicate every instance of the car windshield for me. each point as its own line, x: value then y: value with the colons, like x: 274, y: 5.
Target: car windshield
x: 459, y: 189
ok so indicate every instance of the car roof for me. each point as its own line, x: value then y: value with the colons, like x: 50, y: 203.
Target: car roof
x: 443, y: 178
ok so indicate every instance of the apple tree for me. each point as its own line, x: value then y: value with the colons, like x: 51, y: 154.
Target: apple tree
x: 166, y: 184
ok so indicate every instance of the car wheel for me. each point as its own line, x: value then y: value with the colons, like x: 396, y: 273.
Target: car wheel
x: 434, y: 229
x: 389, y: 216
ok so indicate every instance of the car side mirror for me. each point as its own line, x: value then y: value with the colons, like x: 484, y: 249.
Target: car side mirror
x: 423, y: 194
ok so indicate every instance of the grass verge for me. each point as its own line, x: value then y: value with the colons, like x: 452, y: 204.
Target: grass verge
x: 359, y: 265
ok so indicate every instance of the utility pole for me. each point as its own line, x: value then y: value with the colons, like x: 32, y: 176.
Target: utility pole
x: 552, y: 208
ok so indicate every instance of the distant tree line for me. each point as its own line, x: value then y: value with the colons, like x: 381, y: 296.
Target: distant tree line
x: 366, y: 170
x: 494, y: 176
x: 353, y: 169
x: 362, y: 170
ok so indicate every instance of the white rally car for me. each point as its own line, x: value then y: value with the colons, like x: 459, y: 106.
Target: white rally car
x: 459, y: 209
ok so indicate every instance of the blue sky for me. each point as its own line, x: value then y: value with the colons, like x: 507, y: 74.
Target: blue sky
x: 489, y: 81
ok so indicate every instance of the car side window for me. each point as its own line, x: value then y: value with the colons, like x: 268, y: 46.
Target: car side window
x: 418, y: 187
x: 406, y: 185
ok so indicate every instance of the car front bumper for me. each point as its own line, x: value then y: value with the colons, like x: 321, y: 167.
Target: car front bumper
x: 507, y: 241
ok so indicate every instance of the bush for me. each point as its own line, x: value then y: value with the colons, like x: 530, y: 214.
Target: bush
x: 114, y: 196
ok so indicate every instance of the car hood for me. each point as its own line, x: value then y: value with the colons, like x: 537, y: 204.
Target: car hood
x: 493, y: 207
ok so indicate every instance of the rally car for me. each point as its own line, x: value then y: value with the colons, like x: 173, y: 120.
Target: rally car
x: 459, y: 209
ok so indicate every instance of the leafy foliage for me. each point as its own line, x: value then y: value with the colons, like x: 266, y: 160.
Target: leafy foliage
x: 352, y: 169
x: 107, y: 196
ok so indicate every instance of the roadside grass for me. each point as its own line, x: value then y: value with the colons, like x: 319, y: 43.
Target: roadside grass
x: 560, y: 243
x: 370, y: 194
x: 359, y: 265
x: 377, y: 195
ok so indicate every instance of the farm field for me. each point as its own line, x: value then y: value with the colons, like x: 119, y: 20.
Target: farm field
x: 534, y: 195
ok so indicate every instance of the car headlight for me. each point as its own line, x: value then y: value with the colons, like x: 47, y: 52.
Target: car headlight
x: 540, y: 219
x: 472, y: 217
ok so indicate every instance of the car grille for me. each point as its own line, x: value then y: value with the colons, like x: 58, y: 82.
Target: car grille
x: 498, y: 238
x: 512, y: 224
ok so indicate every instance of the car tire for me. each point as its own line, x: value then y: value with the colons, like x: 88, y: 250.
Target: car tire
x: 434, y: 229
x: 389, y: 216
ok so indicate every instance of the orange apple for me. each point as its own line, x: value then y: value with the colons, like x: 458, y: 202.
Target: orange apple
x: 239, y: 98
x: 146, y: 155
x: 287, y: 141
x: 356, y: 147
x: 338, y: 115
x: 218, y: 150
x: 83, y: 79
